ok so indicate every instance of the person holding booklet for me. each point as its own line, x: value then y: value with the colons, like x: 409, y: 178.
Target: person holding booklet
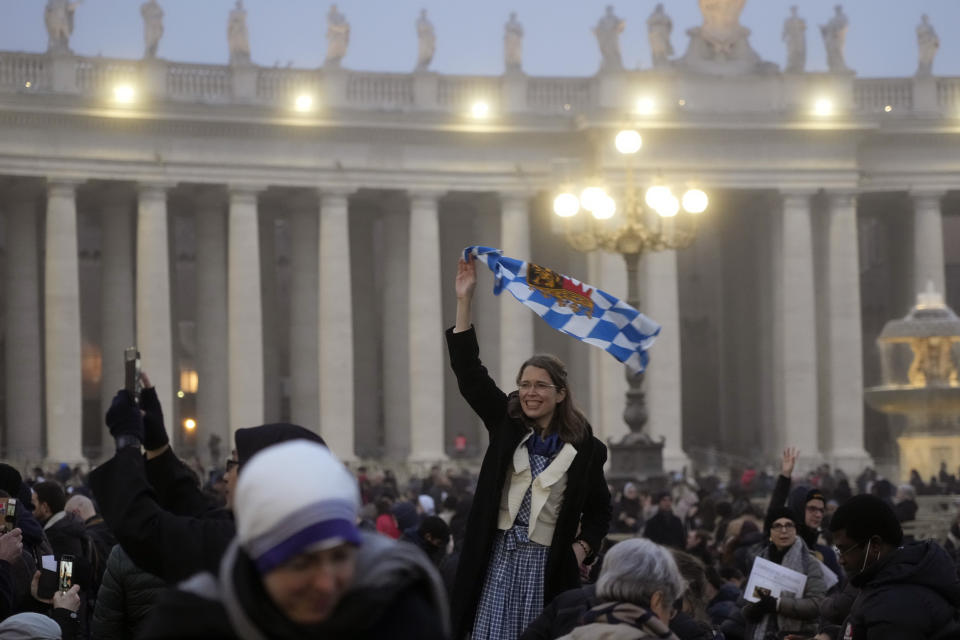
x: 776, y: 616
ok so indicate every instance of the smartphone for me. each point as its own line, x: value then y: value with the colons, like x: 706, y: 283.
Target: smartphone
x: 65, y: 573
x: 131, y: 372
x: 10, y: 515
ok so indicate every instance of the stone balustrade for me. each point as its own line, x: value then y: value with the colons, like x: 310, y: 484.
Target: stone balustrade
x: 221, y: 84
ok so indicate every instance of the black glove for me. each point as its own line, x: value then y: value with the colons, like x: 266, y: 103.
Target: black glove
x: 154, y: 434
x: 767, y: 604
x: 123, y: 417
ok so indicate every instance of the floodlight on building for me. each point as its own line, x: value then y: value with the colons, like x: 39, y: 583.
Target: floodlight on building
x: 27, y: 84
x: 480, y: 110
x: 628, y: 141
x: 189, y: 424
x: 888, y: 108
x: 181, y: 394
x: 645, y: 106
x: 823, y: 107
x: 124, y: 93
x: 303, y: 103
x: 566, y: 205
x: 682, y: 102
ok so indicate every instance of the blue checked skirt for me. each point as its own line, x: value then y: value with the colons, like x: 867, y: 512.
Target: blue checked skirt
x: 512, y: 594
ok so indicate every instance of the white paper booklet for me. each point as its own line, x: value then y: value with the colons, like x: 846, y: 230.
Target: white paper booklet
x: 772, y: 579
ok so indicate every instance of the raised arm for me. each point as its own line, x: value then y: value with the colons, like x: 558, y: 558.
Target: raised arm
x: 476, y: 386
x: 465, y: 285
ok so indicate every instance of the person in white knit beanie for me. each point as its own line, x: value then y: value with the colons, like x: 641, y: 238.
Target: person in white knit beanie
x: 300, y: 568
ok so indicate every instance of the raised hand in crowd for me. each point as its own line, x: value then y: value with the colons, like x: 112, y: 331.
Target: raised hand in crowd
x: 11, y: 546
x: 155, y: 439
x: 465, y: 285
x: 788, y: 461
x: 125, y: 420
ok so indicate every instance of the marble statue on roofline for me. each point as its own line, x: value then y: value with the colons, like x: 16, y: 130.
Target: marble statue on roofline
x: 659, y: 27
x: 834, y: 39
x: 513, y: 44
x: 927, y: 44
x: 152, y: 14
x: 795, y: 36
x: 426, y: 41
x: 608, y: 31
x: 721, y: 44
x: 338, y: 37
x: 238, y: 37
x: 58, y: 18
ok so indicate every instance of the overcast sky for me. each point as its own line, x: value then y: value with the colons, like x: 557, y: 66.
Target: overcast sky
x: 881, y: 40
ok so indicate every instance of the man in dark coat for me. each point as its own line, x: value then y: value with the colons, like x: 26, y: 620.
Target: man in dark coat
x: 586, y: 492
x: 664, y: 527
x: 153, y: 504
x: 907, y: 592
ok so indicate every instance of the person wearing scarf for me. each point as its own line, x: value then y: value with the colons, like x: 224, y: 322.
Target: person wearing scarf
x: 771, y: 618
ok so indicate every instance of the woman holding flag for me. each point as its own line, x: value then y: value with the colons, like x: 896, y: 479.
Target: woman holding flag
x: 541, y: 505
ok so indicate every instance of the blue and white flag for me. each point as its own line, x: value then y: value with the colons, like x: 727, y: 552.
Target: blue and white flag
x: 571, y: 307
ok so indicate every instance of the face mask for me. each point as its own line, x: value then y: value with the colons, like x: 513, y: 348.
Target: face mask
x: 865, y: 556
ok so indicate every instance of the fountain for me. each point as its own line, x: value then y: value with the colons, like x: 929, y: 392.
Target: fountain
x: 919, y: 363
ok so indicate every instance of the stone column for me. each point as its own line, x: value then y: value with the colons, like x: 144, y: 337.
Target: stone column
x: 213, y: 404
x: 154, y: 332
x: 244, y: 313
x: 842, y: 431
x: 117, y: 299
x: 395, y: 321
x: 663, y: 383
x: 24, y: 373
x: 516, y: 321
x: 928, y: 263
x: 304, y: 345
x: 426, y: 331
x: 61, y: 296
x: 335, y: 326
x: 795, y: 343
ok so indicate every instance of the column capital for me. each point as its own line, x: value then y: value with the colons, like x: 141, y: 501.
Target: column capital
x: 243, y: 194
x: 65, y: 187
x: 797, y: 198
x: 517, y: 194
x: 930, y: 197
x: 153, y: 190
x: 842, y: 198
x: 426, y: 195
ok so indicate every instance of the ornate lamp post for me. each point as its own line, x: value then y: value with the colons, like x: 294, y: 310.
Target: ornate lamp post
x: 633, y: 235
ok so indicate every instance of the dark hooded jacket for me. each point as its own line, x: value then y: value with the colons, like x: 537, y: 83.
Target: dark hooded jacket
x: 586, y: 500
x: 396, y: 594
x: 160, y: 516
x: 912, y: 594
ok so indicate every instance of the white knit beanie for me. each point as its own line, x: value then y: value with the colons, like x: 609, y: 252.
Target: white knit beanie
x: 292, y: 497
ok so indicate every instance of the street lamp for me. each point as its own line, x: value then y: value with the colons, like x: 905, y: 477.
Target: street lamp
x: 632, y: 236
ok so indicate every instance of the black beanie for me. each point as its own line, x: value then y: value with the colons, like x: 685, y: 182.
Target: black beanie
x: 814, y: 494
x: 10, y: 480
x: 253, y: 439
x: 776, y: 514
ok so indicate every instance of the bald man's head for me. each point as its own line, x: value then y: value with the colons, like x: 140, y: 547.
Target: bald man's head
x: 81, y: 506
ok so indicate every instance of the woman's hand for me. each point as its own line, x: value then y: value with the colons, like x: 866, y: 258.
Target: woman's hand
x: 466, y: 277
x: 788, y: 461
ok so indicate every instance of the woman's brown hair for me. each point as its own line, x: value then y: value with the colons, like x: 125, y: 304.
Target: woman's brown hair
x: 568, y: 421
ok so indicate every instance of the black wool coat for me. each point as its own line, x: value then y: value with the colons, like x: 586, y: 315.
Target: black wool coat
x: 584, y: 513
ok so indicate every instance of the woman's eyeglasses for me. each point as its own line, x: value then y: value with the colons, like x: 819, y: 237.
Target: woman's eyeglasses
x: 231, y: 463
x: 783, y: 526
x: 526, y: 385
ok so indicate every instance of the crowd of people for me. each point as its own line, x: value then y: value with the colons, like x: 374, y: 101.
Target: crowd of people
x: 284, y: 541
